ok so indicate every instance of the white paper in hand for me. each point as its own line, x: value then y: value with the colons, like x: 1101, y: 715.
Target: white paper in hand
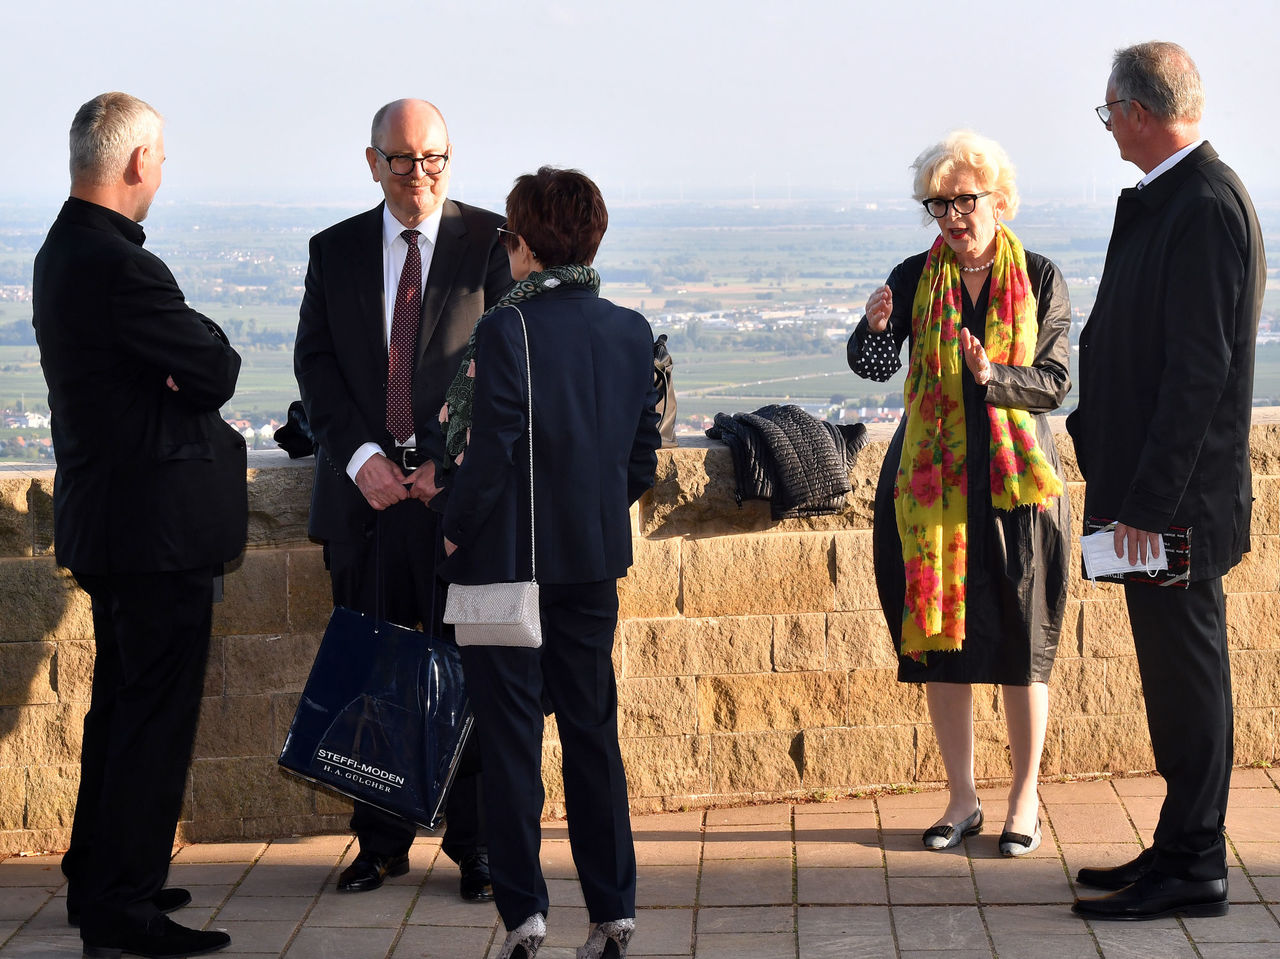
x: 1099, y: 553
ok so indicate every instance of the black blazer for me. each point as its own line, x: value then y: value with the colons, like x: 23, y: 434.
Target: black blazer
x: 148, y: 479
x: 1166, y: 362
x: 595, y: 436
x: 340, y: 356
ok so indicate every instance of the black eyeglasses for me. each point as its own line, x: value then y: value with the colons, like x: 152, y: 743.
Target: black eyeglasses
x: 1104, y: 111
x: 963, y: 204
x: 402, y: 164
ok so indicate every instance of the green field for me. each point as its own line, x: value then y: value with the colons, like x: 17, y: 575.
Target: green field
x: 706, y: 382
x: 20, y: 378
x: 266, y: 386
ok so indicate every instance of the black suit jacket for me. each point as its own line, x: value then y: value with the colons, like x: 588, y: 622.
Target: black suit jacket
x: 595, y: 433
x: 1166, y: 362
x: 148, y: 479
x: 340, y: 357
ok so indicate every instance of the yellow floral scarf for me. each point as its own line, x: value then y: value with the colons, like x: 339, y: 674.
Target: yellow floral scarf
x: 931, y: 492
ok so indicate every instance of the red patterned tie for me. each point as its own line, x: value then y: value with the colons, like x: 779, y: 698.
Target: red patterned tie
x: 403, y: 346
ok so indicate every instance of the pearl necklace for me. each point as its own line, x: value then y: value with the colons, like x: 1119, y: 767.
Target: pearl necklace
x: 979, y: 269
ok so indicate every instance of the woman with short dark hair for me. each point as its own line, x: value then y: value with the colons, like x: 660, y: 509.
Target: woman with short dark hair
x: 595, y: 433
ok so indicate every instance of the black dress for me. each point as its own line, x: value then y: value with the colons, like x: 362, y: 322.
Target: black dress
x: 1018, y: 561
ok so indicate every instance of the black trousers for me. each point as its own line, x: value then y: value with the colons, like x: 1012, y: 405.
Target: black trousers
x: 572, y: 674
x: 391, y: 574
x: 1181, y: 640
x: 152, y: 636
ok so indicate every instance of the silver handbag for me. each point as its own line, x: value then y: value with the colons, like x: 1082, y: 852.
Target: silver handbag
x: 502, y: 614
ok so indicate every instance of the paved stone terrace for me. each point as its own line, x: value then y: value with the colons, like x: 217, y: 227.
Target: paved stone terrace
x: 840, y: 879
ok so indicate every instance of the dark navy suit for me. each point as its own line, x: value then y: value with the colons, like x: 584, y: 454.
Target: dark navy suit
x: 595, y: 437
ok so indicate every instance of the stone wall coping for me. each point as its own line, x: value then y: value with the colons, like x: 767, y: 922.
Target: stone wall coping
x: 258, y: 459
x: 694, y: 494
x: 271, y: 459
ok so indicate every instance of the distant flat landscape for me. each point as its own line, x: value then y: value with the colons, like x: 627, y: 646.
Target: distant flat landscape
x: 757, y: 300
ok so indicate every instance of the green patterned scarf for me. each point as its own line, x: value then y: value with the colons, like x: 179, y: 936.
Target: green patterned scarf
x: 455, y: 415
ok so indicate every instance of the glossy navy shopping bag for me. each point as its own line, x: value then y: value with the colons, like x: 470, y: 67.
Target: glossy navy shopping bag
x: 383, y: 718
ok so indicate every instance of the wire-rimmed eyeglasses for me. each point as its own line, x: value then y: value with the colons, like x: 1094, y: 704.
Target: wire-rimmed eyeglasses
x: 1104, y: 111
x: 402, y: 164
x: 963, y: 204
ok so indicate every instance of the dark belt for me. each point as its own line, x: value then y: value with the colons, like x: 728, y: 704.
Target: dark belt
x: 408, y: 458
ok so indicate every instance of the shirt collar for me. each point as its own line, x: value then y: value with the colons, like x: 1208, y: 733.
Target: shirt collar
x: 392, y: 228
x: 1169, y: 163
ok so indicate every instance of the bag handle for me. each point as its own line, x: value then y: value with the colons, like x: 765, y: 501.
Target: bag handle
x: 528, y: 372
x: 431, y: 628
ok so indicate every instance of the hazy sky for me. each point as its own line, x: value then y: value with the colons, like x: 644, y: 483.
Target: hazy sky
x: 270, y: 100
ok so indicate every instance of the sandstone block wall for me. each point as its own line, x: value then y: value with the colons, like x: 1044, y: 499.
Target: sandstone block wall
x: 752, y: 657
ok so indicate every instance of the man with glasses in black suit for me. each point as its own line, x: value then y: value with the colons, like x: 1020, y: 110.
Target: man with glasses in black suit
x: 1162, y: 438
x: 390, y: 301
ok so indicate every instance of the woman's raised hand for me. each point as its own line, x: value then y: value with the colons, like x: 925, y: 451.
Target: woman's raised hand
x: 975, y: 357
x: 879, y: 307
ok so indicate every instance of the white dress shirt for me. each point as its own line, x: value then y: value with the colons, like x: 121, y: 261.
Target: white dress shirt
x: 394, y: 252
x: 1168, y: 164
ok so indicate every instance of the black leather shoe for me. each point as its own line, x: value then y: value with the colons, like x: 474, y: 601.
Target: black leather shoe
x: 368, y: 871
x: 161, y: 939
x: 166, y: 900
x: 1155, y: 896
x: 475, y: 885
x: 1120, y: 876
x: 946, y: 836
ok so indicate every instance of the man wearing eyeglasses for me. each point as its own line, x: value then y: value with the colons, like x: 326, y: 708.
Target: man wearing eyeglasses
x: 390, y: 300
x: 1162, y: 438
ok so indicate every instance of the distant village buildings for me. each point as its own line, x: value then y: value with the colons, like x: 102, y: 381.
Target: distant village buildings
x: 38, y: 445
x: 259, y: 437
x: 25, y: 420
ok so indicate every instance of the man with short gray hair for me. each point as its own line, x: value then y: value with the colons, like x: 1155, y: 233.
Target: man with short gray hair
x: 105, y: 132
x: 149, y: 501
x: 1162, y: 437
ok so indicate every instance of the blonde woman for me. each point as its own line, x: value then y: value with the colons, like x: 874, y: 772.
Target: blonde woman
x: 971, y: 522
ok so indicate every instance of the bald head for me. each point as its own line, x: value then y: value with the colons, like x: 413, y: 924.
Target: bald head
x: 414, y: 133
x: 400, y: 112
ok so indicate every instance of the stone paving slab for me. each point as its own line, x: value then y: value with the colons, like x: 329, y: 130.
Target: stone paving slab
x: 855, y: 848
x: 667, y: 932
x: 1268, y: 888
x: 845, y: 879
x: 670, y: 886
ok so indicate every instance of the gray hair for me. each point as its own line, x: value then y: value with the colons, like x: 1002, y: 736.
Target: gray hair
x: 378, y: 119
x: 1162, y: 77
x: 106, y: 131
